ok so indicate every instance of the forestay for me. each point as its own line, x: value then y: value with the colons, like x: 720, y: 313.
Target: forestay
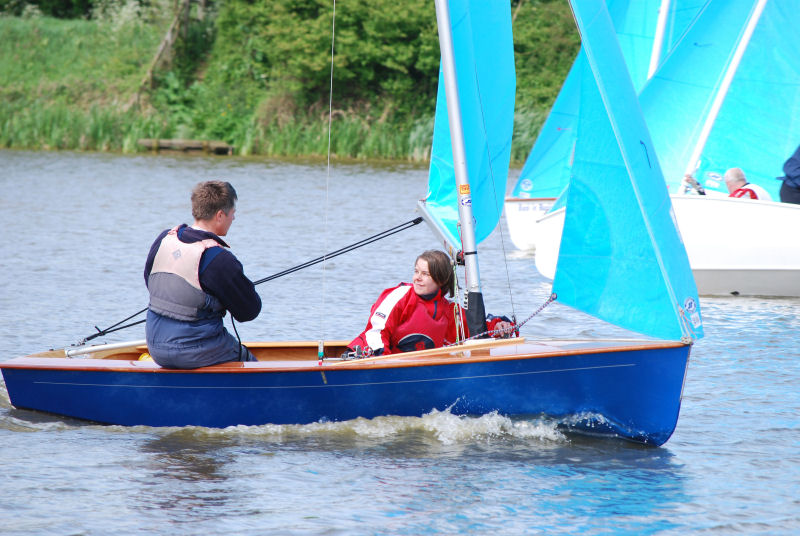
x: 621, y: 257
x: 484, y: 57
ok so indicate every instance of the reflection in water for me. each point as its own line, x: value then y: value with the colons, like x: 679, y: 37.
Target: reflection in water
x: 394, y: 471
x: 180, y: 455
x: 185, y: 472
x: 593, y: 481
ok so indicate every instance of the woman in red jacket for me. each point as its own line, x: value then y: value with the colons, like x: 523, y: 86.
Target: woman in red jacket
x: 417, y: 316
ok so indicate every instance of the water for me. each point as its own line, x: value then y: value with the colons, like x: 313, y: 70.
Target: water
x: 77, y: 230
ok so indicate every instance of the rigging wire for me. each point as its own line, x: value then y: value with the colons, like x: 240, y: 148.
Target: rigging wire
x: 491, y: 332
x: 323, y: 316
x: 494, y: 197
x: 322, y: 258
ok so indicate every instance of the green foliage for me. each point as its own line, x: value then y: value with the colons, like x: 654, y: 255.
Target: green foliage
x: 63, y: 9
x: 60, y: 126
x: 527, y: 124
x: 279, y: 55
x: 176, y: 90
x: 66, y: 86
x: 82, y: 63
x: 258, y: 76
x: 545, y: 45
x: 350, y: 138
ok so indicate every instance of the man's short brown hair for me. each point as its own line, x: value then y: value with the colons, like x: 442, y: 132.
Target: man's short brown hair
x: 210, y: 197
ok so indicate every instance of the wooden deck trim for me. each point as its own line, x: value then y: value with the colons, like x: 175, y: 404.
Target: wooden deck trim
x: 513, y: 349
x: 460, y: 349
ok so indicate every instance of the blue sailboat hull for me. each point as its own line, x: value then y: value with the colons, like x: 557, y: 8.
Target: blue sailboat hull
x: 627, y: 390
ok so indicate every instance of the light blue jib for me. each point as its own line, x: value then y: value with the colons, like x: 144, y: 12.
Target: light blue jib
x: 621, y: 258
x: 484, y: 57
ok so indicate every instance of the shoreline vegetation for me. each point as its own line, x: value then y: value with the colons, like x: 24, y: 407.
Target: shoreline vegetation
x: 254, y: 75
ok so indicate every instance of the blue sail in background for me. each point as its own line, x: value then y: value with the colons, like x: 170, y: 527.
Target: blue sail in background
x: 484, y: 55
x: 547, y: 169
x: 635, y: 24
x: 680, y: 18
x: 621, y: 258
x: 758, y: 125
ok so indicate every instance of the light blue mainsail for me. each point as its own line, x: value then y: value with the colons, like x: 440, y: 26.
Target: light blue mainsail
x: 621, y: 258
x: 758, y: 124
x: 484, y: 56
x: 547, y: 169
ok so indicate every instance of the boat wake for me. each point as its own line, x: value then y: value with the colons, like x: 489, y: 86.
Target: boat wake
x: 442, y: 427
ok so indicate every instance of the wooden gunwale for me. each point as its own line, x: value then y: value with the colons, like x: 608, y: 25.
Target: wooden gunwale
x: 505, y: 351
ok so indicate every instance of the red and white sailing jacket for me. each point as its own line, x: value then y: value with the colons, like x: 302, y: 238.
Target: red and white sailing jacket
x: 751, y: 191
x: 402, y: 321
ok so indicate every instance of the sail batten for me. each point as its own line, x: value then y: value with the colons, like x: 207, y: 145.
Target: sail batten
x: 724, y: 85
x: 658, y: 39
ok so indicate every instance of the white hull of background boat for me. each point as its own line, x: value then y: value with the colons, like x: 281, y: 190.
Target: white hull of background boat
x: 521, y: 216
x: 735, y: 246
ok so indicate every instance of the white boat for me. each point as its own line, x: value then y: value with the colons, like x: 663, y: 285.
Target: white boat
x: 740, y: 112
x: 722, y: 262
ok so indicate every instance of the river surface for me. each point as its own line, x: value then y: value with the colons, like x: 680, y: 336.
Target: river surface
x: 77, y: 228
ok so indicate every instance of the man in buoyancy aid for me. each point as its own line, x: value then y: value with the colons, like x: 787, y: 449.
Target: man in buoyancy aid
x: 738, y: 186
x: 193, y: 280
x: 417, y: 316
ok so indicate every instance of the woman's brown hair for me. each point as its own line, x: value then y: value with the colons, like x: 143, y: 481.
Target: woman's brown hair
x: 441, y: 269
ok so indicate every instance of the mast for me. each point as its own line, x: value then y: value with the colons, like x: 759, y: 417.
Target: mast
x: 476, y: 314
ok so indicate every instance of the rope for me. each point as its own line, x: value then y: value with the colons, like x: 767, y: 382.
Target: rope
x: 541, y: 308
x: 346, y: 249
x: 355, y: 245
x: 493, y: 332
x: 112, y: 329
x: 457, y: 311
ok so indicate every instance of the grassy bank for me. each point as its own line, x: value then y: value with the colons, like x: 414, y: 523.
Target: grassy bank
x: 67, y: 83
x: 256, y: 77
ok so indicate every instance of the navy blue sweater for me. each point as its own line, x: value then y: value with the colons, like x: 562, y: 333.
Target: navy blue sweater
x: 221, y: 274
x: 792, y: 169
